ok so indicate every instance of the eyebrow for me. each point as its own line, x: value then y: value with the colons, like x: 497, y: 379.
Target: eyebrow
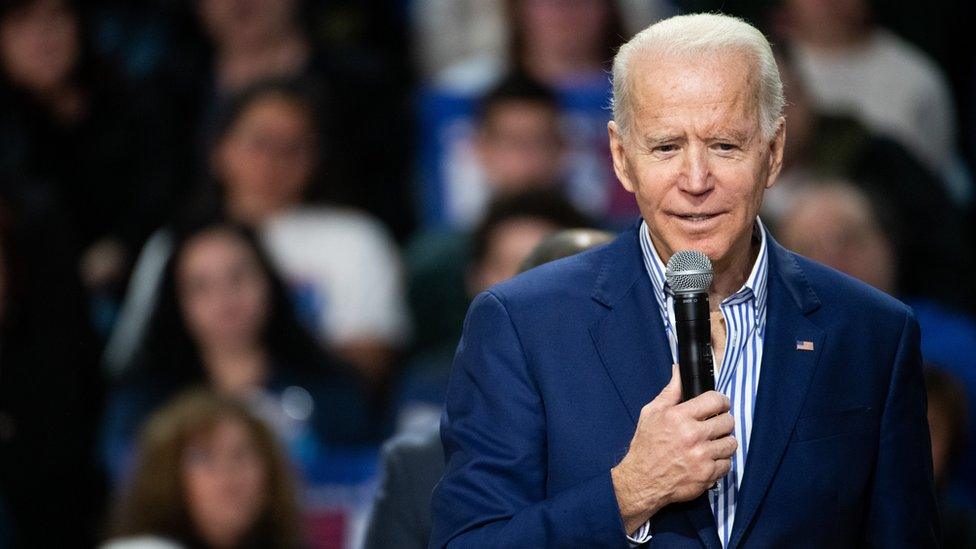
x: 659, y: 138
x: 732, y: 134
x: 736, y: 135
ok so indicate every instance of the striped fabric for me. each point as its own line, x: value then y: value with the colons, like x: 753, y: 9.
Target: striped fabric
x: 738, y: 377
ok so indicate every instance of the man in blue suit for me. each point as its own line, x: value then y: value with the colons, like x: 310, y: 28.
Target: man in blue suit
x: 564, y: 425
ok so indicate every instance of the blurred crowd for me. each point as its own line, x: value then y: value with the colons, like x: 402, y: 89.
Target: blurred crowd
x: 238, y: 237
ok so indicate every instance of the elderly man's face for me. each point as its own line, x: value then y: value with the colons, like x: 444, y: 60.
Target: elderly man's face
x: 695, y: 156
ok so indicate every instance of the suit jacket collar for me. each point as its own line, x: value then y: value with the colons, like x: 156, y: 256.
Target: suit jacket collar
x: 622, y: 266
x: 634, y: 349
x: 620, y: 269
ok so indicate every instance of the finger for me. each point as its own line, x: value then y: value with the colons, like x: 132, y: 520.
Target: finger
x: 719, y: 426
x: 722, y: 448
x: 707, y: 405
x: 722, y: 468
x: 671, y: 394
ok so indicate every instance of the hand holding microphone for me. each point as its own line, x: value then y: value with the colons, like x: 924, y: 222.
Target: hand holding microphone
x: 689, y: 274
x: 682, y: 445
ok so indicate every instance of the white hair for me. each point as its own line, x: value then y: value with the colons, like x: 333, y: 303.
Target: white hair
x: 695, y: 34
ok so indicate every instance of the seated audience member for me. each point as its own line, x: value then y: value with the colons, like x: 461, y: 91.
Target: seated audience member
x: 853, y: 66
x: 69, y: 125
x: 224, y: 321
x: 413, y: 462
x: 511, y: 228
x: 341, y: 266
x: 518, y: 146
x: 947, y: 423
x: 230, y: 47
x: 208, y: 473
x: 838, y: 225
x: 821, y: 146
x: 566, y: 46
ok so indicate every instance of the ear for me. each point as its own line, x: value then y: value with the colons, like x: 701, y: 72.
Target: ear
x: 776, y: 145
x: 618, y: 153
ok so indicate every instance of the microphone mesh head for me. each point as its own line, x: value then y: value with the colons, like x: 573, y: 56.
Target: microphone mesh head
x: 689, y: 271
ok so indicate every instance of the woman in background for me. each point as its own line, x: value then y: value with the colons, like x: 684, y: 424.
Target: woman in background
x: 224, y: 321
x: 341, y: 265
x: 208, y: 474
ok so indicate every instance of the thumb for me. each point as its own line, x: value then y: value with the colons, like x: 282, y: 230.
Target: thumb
x: 671, y: 394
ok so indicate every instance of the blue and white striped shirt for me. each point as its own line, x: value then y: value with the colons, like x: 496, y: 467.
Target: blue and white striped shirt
x: 738, y: 375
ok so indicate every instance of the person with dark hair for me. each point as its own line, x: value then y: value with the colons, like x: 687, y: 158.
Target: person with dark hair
x: 518, y: 144
x: 208, y: 473
x: 558, y: 41
x: 341, y: 266
x: 224, y: 320
x: 516, y: 86
x: 853, y: 65
x: 70, y: 124
x: 566, y: 46
x: 227, y: 47
x: 926, y: 226
x: 512, y: 227
x: 494, y: 251
x: 519, y: 147
x: 413, y: 461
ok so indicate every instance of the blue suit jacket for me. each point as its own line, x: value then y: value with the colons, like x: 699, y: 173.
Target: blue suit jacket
x: 554, y: 367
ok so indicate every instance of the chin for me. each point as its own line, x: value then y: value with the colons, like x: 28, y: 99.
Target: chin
x: 708, y: 245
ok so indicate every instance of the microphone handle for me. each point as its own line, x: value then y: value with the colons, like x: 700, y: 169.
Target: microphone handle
x: 693, y: 327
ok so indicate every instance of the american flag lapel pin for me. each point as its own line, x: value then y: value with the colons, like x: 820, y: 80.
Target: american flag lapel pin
x: 804, y: 345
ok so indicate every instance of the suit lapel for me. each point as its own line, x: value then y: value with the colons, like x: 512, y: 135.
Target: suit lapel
x: 783, y: 382
x: 635, y: 351
x: 634, y: 348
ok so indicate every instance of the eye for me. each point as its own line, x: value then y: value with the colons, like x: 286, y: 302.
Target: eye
x: 726, y: 147
x: 666, y: 148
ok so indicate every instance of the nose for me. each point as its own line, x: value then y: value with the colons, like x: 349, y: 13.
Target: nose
x: 696, y: 176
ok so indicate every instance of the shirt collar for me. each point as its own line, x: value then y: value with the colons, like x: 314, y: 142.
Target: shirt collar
x: 754, y: 286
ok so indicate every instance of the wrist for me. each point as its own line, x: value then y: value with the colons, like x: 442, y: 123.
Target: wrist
x: 635, y: 501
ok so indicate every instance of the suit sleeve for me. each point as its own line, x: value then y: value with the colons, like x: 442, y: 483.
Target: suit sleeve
x: 493, y: 492
x: 903, y: 511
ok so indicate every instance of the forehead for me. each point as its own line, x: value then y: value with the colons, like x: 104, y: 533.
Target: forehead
x: 225, y: 428
x: 213, y: 247
x: 707, y: 91
x: 515, y: 109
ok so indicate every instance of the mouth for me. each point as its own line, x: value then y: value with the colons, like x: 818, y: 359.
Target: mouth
x: 696, y: 218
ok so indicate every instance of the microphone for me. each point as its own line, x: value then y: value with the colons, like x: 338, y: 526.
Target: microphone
x: 689, y: 274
